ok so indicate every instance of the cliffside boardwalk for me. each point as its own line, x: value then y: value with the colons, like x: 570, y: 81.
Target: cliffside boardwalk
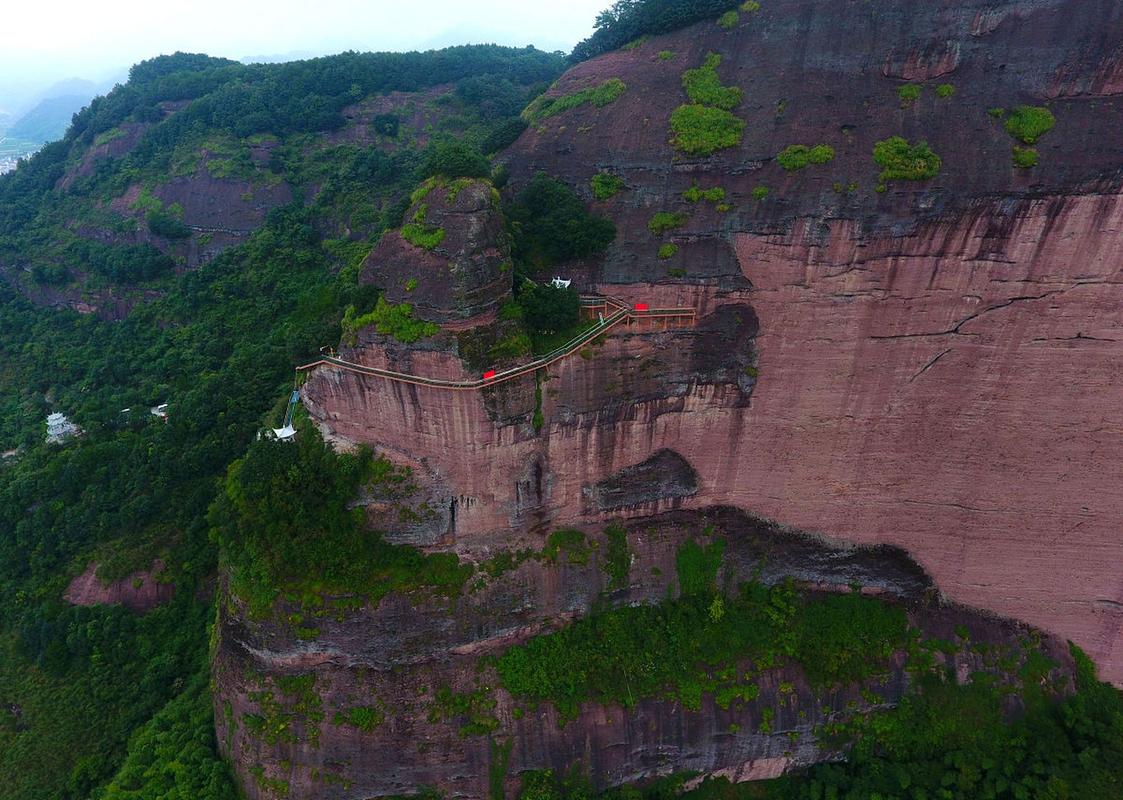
x: 638, y: 315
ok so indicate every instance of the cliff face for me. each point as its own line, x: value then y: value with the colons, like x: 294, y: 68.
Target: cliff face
x: 934, y: 366
x: 937, y: 362
x: 284, y: 717
x: 957, y: 393
x: 606, y: 411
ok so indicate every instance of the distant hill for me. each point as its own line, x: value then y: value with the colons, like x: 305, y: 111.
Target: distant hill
x: 49, y: 119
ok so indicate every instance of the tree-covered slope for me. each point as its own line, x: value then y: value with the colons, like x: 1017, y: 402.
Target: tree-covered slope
x: 188, y: 157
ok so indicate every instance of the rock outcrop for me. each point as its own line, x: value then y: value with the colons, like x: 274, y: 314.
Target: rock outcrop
x: 139, y: 591
x: 284, y: 716
x: 461, y: 269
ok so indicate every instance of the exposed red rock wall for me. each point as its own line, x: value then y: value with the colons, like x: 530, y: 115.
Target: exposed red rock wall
x: 958, y: 393
x: 395, y: 656
x: 140, y: 591
x: 603, y: 413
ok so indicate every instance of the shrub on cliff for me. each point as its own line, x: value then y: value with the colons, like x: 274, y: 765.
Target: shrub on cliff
x: 503, y: 137
x: 598, y: 96
x: 606, y: 185
x: 1025, y: 157
x: 901, y: 161
x: 909, y: 94
x: 701, y: 130
x: 386, y: 124
x: 703, y: 86
x: 1029, y: 123
x: 550, y: 225
x: 163, y: 224
x: 798, y: 156
x: 684, y: 648
x: 455, y: 160
x: 665, y: 220
x: 390, y: 320
x: 421, y: 235
x: 695, y: 194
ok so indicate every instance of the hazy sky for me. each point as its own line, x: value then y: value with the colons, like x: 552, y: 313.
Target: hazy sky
x: 42, y: 42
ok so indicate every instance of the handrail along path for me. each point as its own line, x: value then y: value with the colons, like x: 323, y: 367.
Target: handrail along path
x: 623, y: 313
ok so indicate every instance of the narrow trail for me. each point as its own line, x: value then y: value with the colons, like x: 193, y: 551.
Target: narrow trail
x: 622, y: 314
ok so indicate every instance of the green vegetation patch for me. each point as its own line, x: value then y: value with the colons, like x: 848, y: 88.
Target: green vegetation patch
x: 703, y: 86
x: 696, y: 194
x: 568, y: 542
x: 284, y: 524
x: 665, y: 221
x: 945, y: 90
x: 166, y: 224
x: 697, y: 566
x: 683, y: 648
x: 729, y: 20
x: 760, y: 192
x: 909, y: 94
x: 668, y: 250
x: 599, y: 96
x: 1029, y: 123
x: 798, y: 156
x: 901, y: 161
x: 617, y: 556
x: 701, y: 130
x: 476, y: 709
x: 365, y: 718
x: 959, y: 741
x: 390, y: 320
x: 424, y: 236
x: 606, y: 185
x: 1025, y: 157
x: 550, y: 225
x: 546, y: 310
x: 296, y: 713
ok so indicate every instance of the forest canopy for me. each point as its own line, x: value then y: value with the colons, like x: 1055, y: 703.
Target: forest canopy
x: 628, y: 20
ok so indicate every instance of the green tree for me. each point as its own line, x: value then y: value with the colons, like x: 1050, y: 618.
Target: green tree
x: 548, y: 309
x: 551, y: 225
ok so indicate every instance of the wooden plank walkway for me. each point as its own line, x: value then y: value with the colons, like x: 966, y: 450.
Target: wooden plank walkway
x: 637, y: 316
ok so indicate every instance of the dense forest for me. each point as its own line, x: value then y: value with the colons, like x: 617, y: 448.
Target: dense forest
x: 101, y: 702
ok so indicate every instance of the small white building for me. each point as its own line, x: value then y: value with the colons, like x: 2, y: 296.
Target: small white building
x: 59, y: 428
x: 160, y: 411
x: 560, y: 283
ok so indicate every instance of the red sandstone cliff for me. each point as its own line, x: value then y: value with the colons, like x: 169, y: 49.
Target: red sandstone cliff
x: 938, y: 364
x: 396, y: 655
x: 934, y: 367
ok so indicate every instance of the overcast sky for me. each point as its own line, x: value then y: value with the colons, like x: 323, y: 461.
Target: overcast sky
x: 42, y: 42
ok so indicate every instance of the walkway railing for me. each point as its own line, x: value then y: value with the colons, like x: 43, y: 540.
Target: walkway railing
x: 623, y: 313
